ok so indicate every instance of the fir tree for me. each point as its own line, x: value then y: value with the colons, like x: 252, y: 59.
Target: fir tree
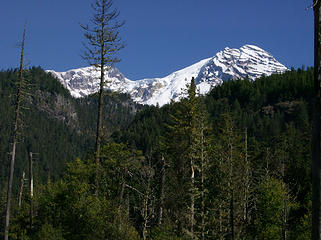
x: 232, y: 179
x: 103, y: 44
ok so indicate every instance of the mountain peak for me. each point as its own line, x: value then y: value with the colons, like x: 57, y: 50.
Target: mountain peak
x: 231, y: 63
x: 252, y: 47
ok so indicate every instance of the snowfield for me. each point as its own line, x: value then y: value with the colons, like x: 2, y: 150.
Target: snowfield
x: 248, y: 61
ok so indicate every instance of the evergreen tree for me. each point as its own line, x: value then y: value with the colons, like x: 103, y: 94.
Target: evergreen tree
x: 189, y: 166
x: 232, y: 182
x: 103, y: 43
x: 270, y: 209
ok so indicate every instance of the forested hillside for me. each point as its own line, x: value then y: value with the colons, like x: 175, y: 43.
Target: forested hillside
x: 234, y: 164
x: 54, y: 126
x: 254, y: 139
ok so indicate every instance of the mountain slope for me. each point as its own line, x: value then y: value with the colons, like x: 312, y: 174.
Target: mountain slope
x: 248, y: 61
x: 53, y: 124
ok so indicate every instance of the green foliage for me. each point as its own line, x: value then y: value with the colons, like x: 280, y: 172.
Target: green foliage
x: 249, y: 145
x: 54, y: 126
x: 69, y: 209
x: 230, y: 180
x: 303, y: 230
x: 270, y: 204
x: 48, y: 232
x: 118, y: 161
x: 275, y: 111
x: 165, y: 232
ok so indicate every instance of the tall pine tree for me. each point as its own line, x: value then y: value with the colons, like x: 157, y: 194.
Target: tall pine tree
x: 103, y: 44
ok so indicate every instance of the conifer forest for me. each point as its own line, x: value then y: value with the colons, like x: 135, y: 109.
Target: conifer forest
x: 232, y: 164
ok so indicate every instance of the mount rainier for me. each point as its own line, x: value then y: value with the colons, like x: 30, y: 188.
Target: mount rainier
x: 248, y: 61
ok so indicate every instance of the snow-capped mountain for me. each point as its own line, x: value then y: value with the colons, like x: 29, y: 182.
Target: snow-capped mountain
x: 248, y: 61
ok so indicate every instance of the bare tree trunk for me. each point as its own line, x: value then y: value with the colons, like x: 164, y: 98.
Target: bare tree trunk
x: 162, y: 188
x: 146, y: 198
x: 232, y: 216
x: 231, y: 189
x: 123, y: 185
x: 31, y: 188
x: 15, y: 136
x: 284, y: 195
x: 315, y: 166
x: 100, y: 51
x: 285, y: 213
x: 121, y: 196
x: 30, y: 175
x: 100, y: 101
x: 203, y: 166
x: 247, y: 182
x: 221, y: 222
x: 192, y: 197
x: 127, y: 203
x: 21, y: 188
x: 99, y: 130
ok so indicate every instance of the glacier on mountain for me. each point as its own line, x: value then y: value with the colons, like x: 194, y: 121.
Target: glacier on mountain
x: 249, y: 61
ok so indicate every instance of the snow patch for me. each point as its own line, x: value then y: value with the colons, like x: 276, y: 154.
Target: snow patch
x: 248, y: 61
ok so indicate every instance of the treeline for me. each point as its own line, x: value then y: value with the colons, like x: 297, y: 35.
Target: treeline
x: 234, y: 164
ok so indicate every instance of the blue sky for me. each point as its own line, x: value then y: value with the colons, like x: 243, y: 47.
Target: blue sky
x: 160, y: 36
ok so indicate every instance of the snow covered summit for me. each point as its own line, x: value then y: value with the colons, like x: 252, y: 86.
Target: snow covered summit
x: 248, y: 61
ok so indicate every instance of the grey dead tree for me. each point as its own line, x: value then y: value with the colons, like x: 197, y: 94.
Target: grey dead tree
x: 20, y: 86
x: 31, y: 187
x: 203, y: 171
x: 315, y: 166
x: 146, y: 208
x: 103, y: 43
x: 247, y: 180
x: 162, y: 192
x: 22, y: 181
